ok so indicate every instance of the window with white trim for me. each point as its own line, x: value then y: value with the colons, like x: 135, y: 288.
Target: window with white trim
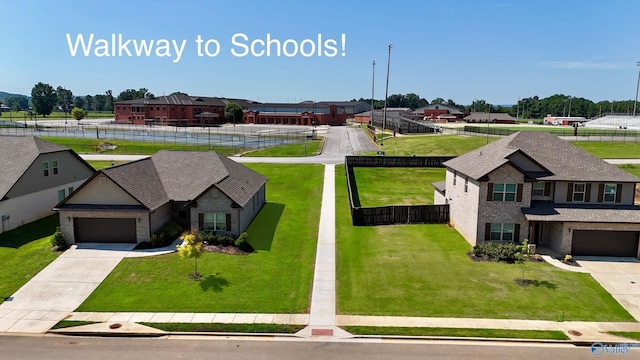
x: 45, y: 168
x: 579, y: 190
x: 504, y: 192
x: 538, y: 188
x: 609, y: 192
x: 55, y: 167
x: 215, y: 221
x: 501, y: 232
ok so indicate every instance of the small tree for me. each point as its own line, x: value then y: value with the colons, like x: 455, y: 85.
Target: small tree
x: 233, y: 112
x: 191, y: 247
x: 58, y: 242
x: 78, y: 113
x: 523, y: 254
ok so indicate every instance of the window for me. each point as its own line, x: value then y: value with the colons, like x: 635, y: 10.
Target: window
x: 538, y: 188
x: 610, y: 192
x: 579, y: 191
x: 55, y: 167
x: 504, y: 192
x: 60, y: 195
x: 70, y: 190
x: 501, y: 232
x: 215, y: 222
x: 455, y: 175
x: 466, y: 183
x: 45, y: 168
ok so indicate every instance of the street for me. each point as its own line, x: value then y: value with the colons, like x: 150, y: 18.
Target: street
x: 201, y: 347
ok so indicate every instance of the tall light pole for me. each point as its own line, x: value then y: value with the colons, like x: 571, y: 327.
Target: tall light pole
x: 570, y: 98
x: 488, y: 120
x: 635, y: 104
x: 373, y: 81
x: 386, y: 95
x: 518, y: 109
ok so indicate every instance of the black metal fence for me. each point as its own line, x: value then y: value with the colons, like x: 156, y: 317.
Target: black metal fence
x: 580, y: 134
x: 393, y: 214
x: 403, y: 125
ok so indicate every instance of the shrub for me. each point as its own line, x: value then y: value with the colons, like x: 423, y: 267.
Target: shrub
x: 166, y: 234
x: 568, y: 258
x: 58, y: 241
x: 497, y: 251
x: 242, y: 243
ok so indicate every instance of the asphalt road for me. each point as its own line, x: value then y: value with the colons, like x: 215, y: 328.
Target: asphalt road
x: 71, y: 348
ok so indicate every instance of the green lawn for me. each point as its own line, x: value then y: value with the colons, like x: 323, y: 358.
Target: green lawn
x: 635, y: 335
x: 309, y: 148
x: 611, y: 149
x: 633, y: 169
x: 458, y: 332
x: 276, y: 278
x: 101, y: 164
x: 234, y: 328
x: 396, y: 186
x: 432, y: 145
x: 25, y: 251
x: 423, y: 270
x: 127, y: 147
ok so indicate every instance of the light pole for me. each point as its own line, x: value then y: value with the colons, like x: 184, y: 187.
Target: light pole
x: 373, y: 81
x: 635, y: 104
x: 488, y: 120
x: 386, y: 95
x: 518, y: 109
x: 570, y: 98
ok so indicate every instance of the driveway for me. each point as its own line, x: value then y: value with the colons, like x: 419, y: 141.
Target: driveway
x: 619, y: 276
x: 60, y: 288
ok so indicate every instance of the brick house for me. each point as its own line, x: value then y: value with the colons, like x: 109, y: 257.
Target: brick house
x: 535, y: 185
x: 130, y: 202
x: 35, y: 176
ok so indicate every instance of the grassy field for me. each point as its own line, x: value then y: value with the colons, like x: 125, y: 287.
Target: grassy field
x: 22, y: 115
x: 635, y: 335
x: 101, y: 164
x: 233, y: 328
x: 458, y: 332
x: 275, y: 279
x: 611, y: 149
x: 126, y: 147
x: 309, y: 148
x: 424, y: 270
x: 25, y: 251
x: 631, y: 168
x: 396, y: 186
x: 432, y: 145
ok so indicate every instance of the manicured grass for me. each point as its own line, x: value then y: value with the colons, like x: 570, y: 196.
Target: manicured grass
x: 233, y: 328
x: 126, y: 147
x: 63, y: 324
x: 635, y: 335
x: 424, y: 270
x: 276, y: 278
x: 611, y: 149
x: 396, y: 186
x: 458, y: 332
x: 101, y: 164
x: 633, y: 169
x: 312, y: 148
x: 25, y: 251
x: 432, y: 145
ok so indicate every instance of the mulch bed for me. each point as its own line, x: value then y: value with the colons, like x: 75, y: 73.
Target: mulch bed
x: 231, y: 250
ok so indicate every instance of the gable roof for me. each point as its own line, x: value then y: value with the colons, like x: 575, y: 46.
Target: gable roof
x: 562, y: 160
x: 17, y: 153
x: 184, y: 176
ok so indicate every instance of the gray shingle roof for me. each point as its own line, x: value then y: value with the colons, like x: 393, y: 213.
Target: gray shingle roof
x: 440, y: 186
x: 564, y: 161
x: 547, y: 211
x: 17, y: 153
x: 185, y: 176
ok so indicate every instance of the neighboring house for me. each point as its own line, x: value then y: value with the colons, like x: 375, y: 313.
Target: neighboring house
x: 129, y: 202
x: 534, y: 185
x: 35, y: 176
x: 495, y: 118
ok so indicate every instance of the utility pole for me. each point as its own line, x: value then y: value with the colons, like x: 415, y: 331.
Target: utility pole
x: 373, y: 81
x: 386, y: 95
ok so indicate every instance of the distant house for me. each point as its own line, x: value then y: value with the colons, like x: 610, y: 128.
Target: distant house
x: 4, y: 108
x: 494, y: 118
x: 440, y: 113
x: 35, y: 176
x: 535, y: 185
x: 129, y: 202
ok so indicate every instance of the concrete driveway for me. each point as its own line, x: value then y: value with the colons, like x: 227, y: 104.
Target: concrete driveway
x: 60, y: 288
x: 619, y: 276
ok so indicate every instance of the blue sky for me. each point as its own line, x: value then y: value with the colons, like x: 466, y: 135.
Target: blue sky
x: 464, y: 50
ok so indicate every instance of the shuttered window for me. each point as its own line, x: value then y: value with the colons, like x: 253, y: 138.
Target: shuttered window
x: 214, y: 222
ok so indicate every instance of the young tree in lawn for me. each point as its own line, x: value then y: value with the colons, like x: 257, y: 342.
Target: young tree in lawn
x: 44, y: 98
x: 77, y: 113
x: 191, y: 248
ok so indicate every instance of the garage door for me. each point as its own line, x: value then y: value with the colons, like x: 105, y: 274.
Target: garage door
x: 605, y: 243
x: 105, y: 230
